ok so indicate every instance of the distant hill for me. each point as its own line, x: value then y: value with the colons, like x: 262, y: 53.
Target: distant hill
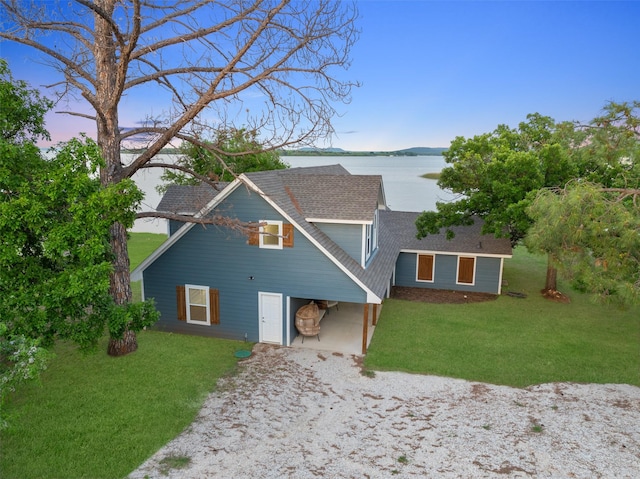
x: 416, y: 151
x: 320, y: 151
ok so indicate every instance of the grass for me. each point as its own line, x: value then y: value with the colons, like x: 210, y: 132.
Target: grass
x: 431, y: 176
x: 96, y: 416
x: 141, y: 245
x: 174, y: 462
x: 511, y: 341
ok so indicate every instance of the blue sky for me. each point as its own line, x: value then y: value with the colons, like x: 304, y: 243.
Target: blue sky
x: 434, y: 70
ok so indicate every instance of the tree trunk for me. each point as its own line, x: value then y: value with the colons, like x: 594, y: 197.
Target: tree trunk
x: 120, y: 285
x: 550, y: 290
x: 120, y: 288
x: 108, y: 91
x: 127, y: 344
x: 551, y: 283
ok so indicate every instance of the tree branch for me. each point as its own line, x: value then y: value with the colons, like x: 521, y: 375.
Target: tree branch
x: 234, y: 224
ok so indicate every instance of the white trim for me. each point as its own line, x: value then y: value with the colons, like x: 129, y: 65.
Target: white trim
x: 370, y: 243
x: 500, y: 276
x: 363, y: 245
x: 184, y: 229
x: 456, y: 253
x: 135, y: 275
x: 263, y: 235
x: 262, y: 294
x: 371, y: 297
x: 475, y: 266
x: 206, y: 304
x: 142, y: 288
x: 433, y: 268
x: 287, y: 320
x: 342, y: 222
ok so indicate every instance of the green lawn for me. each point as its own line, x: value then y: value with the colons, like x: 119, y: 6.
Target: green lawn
x: 94, y: 416
x: 512, y: 341
x: 140, y: 246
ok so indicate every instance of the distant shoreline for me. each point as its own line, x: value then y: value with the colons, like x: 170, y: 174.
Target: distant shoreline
x: 420, y: 151
x: 416, y: 151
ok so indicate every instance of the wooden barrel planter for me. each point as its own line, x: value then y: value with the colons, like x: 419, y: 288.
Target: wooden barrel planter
x: 308, y: 320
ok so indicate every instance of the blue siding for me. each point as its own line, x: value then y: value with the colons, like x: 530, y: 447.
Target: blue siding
x: 220, y: 258
x: 174, y: 226
x: 348, y: 237
x: 487, y: 276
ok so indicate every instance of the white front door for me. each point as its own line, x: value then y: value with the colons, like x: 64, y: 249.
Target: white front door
x: 270, y: 317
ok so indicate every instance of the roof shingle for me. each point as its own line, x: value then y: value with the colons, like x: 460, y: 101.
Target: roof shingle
x: 188, y: 199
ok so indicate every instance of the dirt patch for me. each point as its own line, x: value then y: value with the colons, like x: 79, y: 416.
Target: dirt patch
x: 295, y: 413
x: 440, y: 295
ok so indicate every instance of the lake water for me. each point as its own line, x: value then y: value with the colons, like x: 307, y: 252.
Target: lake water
x: 405, y: 189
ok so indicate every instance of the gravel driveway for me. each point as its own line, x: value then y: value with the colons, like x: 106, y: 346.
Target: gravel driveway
x: 293, y: 413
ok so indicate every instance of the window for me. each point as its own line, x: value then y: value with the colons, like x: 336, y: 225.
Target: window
x: 425, y: 267
x: 198, y: 304
x: 466, y: 270
x: 272, y: 235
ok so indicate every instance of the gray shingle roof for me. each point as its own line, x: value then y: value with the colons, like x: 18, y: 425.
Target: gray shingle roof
x: 323, y: 192
x: 316, y: 170
x: 187, y: 199
x: 335, y: 197
x: 468, y: 239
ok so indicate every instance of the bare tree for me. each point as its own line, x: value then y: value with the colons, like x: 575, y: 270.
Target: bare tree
x: 207, y: 57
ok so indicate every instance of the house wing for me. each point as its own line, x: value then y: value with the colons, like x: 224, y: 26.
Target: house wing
x: 467, y: 239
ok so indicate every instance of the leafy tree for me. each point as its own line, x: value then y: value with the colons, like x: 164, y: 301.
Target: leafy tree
x: 21, y: 357
x: 608, y: 147
x: 55, y: 255
x: 594, y: 239
x: 230, y: 153
x: 592, y: 230
x: 495, y: 173
x: 55, y: 259
x: 208, y: 58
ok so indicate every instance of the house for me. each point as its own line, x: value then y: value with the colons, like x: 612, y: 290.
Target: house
x: 470, y: 261
x: 321, y: 234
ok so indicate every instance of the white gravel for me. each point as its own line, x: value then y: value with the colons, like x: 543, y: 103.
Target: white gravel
x: 294, y: 413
